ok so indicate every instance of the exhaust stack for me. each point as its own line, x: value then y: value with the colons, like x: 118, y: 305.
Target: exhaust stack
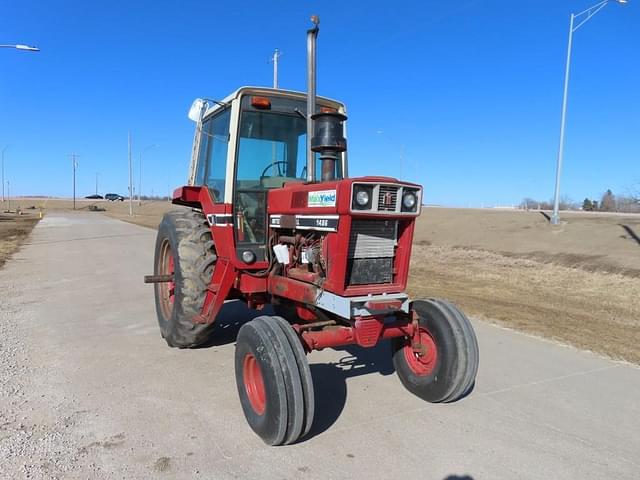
x: 312, y: 35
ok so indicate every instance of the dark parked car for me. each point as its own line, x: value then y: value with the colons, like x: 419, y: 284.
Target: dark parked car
x: 112, y: 197
x: 94, y: 197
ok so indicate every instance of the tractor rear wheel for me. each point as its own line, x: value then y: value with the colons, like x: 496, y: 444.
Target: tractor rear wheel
x: 274, y: 381
x: 443, y: 368
x: 185, y: 250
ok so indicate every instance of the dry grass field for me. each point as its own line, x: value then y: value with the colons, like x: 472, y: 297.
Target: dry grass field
x: 577, y: 283
x: 13, y: 230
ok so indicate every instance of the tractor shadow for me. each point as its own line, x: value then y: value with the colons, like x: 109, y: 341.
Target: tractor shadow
x: 330, y: 380
x: 233, y: 315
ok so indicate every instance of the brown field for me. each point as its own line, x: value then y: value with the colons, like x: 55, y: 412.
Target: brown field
x: 577, y: 283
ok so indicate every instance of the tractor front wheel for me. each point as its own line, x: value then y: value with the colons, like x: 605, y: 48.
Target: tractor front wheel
x: 184, y: 251
x: 441, y: 363
x: 274, y: 380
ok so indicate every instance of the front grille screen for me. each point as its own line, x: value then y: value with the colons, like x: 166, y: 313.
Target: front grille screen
x: 371, y: 251
x: 387, y: 198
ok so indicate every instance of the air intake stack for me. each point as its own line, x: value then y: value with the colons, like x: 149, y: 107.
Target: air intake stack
x: 329, y: 141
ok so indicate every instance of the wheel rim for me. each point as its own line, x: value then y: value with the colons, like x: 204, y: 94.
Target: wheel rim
x: 167, y: 289
x: 424, y: 361
x: 254, y: 383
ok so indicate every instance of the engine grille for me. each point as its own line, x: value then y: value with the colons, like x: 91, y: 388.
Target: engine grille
x: 387, y: 198
x: 371, y: 251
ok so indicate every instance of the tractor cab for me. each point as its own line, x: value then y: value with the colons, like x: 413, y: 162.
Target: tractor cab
x: 254, y: 141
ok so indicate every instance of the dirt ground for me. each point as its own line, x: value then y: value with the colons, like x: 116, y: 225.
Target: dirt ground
x: 577, y: 283
x: 13, y: 229
x: 591, y: 241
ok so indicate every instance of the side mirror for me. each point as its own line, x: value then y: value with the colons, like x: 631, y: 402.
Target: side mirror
x: 196, y: 110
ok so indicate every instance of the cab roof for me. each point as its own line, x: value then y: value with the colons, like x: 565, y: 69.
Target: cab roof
x: 269, y: 92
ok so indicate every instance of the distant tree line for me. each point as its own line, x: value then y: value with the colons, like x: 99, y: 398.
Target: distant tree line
x: 629, y: 203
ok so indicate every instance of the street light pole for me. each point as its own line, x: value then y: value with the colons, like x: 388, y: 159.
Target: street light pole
x: 75, y: 166
x: 3, y: 172
x: 140, y: 182
x: 130, y: 180
x: 555, y: 218
x: 8, y: 197
x: 589, y: 12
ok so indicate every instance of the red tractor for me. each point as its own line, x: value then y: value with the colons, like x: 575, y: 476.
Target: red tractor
x: 274, y: 219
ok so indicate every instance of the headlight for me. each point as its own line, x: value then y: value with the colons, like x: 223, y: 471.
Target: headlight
x: 362, y: 198
x: 409, y: 200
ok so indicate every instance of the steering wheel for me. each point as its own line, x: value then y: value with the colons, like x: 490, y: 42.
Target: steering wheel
x: 280, y: 171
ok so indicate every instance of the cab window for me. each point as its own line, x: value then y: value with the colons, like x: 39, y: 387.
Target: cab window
x: 212, y: 156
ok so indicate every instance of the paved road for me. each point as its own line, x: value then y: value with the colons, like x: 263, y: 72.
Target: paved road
x: 89, y: 389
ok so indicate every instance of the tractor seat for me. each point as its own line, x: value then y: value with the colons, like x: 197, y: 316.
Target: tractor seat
x: 278, y: 181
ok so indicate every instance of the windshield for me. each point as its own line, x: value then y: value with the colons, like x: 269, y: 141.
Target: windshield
x: 272, y: 148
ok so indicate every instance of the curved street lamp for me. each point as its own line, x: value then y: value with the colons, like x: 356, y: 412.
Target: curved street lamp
x: 26, y: 48
x: 582, y: 18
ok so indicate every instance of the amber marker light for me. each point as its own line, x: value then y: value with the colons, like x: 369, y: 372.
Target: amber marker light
x: 261, y: 102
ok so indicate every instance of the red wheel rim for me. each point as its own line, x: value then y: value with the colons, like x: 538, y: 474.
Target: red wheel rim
x: 253, y: 383
x: 167, y: 289
x: 423, y: 358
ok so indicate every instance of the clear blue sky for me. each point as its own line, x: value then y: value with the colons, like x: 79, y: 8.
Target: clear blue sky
x: 472, y: 89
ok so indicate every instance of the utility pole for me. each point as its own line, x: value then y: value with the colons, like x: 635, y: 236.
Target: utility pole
x: 140, y: 182
x: 74, y: 163
x: 130, y: 180
x: 274, y: 60
x: 8, y: 197
x: 3, y: 172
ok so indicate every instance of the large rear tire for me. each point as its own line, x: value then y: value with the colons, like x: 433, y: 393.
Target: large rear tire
x: 184, y: 249
x: 446, y: 369
x: 274, y: 390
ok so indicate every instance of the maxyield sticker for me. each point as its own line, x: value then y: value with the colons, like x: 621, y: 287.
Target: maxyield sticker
x: 322, y: 198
